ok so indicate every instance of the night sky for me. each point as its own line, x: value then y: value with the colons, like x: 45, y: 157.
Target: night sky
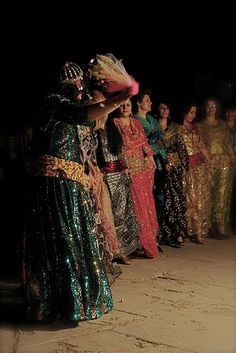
x: 164, y: 49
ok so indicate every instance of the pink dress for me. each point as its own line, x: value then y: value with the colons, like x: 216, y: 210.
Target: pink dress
x: 135, y: 149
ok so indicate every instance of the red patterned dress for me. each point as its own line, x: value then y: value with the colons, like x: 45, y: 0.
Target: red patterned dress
x: 135, y: 150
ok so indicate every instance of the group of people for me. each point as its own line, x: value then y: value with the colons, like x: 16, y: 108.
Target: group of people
x: 80, y: 217
x: 105, y: 183
x: 195, y: 170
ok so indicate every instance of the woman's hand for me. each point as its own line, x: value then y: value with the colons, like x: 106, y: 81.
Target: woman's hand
x: 150, y: 163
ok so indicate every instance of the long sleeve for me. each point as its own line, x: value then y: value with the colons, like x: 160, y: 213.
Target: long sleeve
x: 146, y: 147
x: 182, y: 151
x: 58, y: 108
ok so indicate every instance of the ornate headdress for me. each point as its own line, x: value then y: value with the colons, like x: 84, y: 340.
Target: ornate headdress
x: 70, y: 73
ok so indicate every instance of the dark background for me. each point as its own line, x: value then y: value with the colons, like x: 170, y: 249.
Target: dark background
x: 177, y: 52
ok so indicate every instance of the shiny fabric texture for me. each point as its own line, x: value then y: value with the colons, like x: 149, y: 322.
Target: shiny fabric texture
x: 217, y: 141
x: 118, y: 184
x: 60, y: 168
x: 233, y: 200
x: 113, y: 167
x: 64, y: 277
x: 221, y: 186
x: 104, y: 208
x: 170, y: 192
x: 196, y: 184
x: 108, y: 243
x: 152, y: 131
x: 135, y: 150
x: 233, y: 139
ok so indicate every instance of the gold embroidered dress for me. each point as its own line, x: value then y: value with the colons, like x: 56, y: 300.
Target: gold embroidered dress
x: 217, y: 141
x: 196, y: 184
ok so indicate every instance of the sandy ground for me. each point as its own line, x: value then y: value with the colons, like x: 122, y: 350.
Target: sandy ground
x: 182, y: 302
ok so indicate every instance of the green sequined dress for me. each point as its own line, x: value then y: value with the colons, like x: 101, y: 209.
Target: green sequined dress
x: 63, y: 274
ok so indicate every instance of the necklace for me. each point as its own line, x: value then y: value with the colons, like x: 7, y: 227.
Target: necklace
x: 125, y: 121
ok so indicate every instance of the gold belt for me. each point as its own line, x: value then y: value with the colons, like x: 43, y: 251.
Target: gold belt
x: 135, y: 164
x: 56, y: 167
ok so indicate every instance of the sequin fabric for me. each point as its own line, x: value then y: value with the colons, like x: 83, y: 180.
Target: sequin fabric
x: 172, y: 215
x: 152, y: 131
x: 217, y: 141
x: 135, y: 150
x: 64, y: 277
x: 233, y: 199
x: 196, y: 184
x: 61, y: 168
x: 233, y: 139
x: 118, y: 184
x: 106, y: 234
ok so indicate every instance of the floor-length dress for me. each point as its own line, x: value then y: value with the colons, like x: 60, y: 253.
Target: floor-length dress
x: 135, y: 150
x: 63, y: 275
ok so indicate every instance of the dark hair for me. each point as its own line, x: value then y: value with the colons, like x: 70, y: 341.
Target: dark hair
x: 185, y: 108
x: 142, y: 93
x: 162, y: 101
x: 139, y: 97
x: 113, y: 136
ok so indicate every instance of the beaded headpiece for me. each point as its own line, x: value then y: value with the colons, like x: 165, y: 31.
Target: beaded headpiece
x: 70, y: 73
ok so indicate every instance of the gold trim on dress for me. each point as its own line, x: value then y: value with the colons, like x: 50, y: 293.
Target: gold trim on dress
x: 56, y: 167
x: 135, y: 164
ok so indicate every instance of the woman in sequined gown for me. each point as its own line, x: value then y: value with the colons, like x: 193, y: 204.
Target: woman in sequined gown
x: 139, y: 160
x: 173, y: 157
x: 106, y: 232
x: 64, y: 278
x: 216, y: 137
x: 196, y: 179
x: 118, y: 184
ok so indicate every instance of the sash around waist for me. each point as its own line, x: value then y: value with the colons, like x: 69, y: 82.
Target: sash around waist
x: 113, y: 166
x: 56, y: 167
x: 195, y: 159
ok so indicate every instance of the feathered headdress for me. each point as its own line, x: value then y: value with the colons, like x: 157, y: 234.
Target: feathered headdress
x: 110, y: 73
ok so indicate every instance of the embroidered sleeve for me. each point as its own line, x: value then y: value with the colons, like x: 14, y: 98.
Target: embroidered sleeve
x: 59, y: 108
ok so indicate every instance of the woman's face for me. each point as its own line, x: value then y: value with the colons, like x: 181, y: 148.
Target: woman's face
x: 190, y: 116
x: 164, y: 111
x: 230, y: 115
x: 211, y: 107
x: 126, y: 109
x: 146, y: 103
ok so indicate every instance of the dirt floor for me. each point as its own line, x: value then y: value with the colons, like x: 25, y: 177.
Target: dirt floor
x: 182, y: 302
